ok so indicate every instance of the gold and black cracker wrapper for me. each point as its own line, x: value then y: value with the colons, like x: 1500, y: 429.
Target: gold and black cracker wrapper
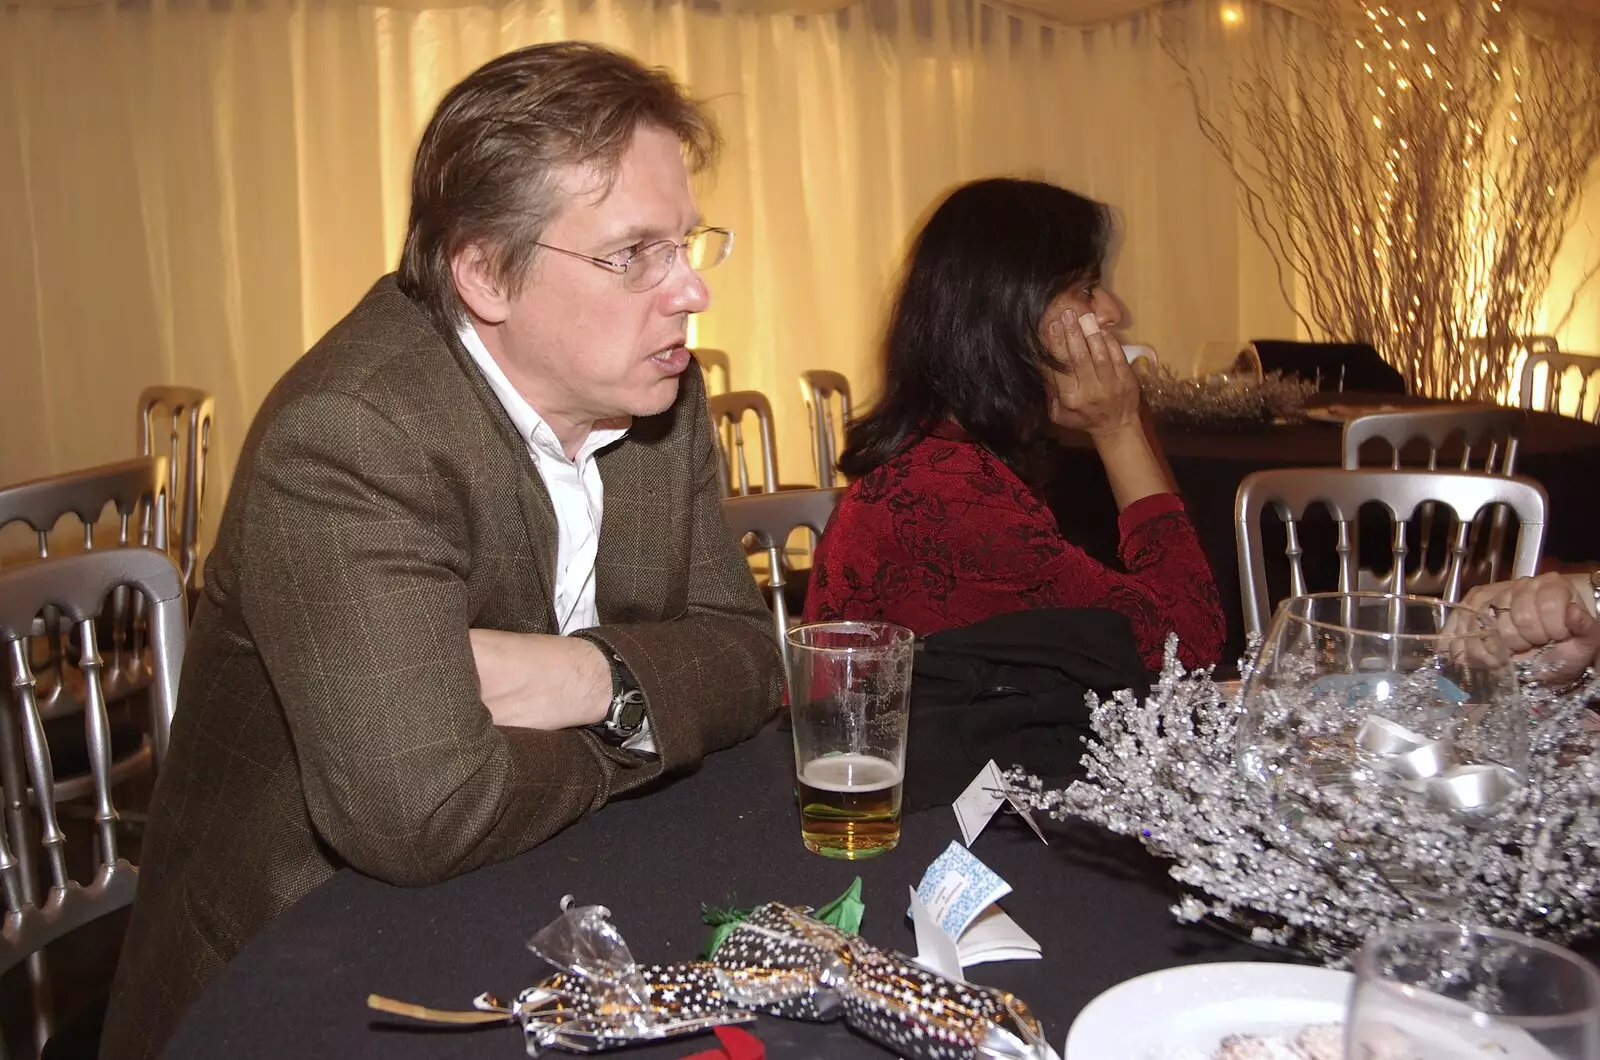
x: 779, y: 961
x: 783, y: 962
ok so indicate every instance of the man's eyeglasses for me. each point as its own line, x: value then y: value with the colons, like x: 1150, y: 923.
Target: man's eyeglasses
x: 645, y: 267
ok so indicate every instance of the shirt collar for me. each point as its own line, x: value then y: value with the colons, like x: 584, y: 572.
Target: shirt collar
x: 529, y: 424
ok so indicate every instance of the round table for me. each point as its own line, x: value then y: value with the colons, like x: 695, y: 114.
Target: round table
x: 727, y: 834
x: 1559, y: 452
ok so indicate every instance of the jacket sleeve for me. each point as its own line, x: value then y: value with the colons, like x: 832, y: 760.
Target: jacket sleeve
x: 711, y: 675
x: 352, y: 585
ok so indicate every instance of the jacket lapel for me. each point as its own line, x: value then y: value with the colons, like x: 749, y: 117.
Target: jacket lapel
x: 538, y: 513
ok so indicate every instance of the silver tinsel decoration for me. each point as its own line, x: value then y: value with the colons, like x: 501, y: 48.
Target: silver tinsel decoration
x: 1350, y: 859
x: 1223, y: 400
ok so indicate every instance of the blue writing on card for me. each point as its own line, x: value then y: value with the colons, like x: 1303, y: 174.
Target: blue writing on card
x: 957, y: 887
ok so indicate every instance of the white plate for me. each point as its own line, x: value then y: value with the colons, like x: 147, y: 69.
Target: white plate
x: 1184, y: 1013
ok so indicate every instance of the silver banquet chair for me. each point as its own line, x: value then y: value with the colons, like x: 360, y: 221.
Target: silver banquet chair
x: 136, y: 488
x: 44, y: 901
x: 714, y: 361
x: 1488, y: 438
x: 1290, y: 492
x: 1582, y: 370
x: 728, y: 413
x: 137, y: 491
x: 827, y: 398
x: 767, y: 519
x: 175, y: 423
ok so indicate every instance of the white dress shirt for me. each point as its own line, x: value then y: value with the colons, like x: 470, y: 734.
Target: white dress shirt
x: 576, y: 492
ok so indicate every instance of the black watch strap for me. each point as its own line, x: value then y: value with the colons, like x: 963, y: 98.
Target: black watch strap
x: 626, y: 715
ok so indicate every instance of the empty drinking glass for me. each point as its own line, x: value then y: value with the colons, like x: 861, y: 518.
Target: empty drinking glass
x: 1434, y: 991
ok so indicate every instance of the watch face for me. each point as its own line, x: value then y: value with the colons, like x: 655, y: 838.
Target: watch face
x: 628, y: 712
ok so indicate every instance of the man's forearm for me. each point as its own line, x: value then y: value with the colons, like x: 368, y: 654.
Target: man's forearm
x: 539, y: 681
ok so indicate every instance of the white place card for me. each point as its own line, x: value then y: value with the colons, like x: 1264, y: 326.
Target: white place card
x: 936, y: 950
x: 955, y: 918
x: 976, y: 806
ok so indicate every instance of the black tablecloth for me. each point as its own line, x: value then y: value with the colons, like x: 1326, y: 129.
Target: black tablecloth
x: 726, y: 834
x: 1561, y: 453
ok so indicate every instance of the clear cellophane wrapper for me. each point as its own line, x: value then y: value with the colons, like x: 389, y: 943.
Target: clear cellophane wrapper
x: 602, y: 999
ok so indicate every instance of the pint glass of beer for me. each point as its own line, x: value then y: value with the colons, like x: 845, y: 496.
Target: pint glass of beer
x: 849, y: 692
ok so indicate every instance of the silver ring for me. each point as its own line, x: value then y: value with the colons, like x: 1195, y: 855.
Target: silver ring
x: 1495, y: 610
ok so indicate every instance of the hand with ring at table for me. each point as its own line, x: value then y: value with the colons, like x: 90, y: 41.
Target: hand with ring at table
x: 1549, y: 619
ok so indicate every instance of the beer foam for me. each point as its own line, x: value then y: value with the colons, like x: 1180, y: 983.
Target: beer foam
x: 851, y: 773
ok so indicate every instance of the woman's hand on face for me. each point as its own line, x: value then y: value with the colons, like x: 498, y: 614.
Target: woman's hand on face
x: 1097, y: 392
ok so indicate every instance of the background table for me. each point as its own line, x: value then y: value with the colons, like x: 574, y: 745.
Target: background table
x: 726, y: 834
x: 1561, y: 453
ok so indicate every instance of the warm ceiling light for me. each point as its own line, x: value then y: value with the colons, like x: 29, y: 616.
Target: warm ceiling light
x: 1232, y: 15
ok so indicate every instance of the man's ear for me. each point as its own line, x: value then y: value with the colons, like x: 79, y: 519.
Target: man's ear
x: 477, y: 286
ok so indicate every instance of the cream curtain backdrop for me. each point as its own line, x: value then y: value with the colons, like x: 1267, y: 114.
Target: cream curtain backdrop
x: 193, y: 192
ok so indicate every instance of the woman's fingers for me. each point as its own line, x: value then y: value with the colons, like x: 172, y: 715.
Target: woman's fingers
x: 1100, y: 345
x: 1055, y: 339
x: 1077, y: 342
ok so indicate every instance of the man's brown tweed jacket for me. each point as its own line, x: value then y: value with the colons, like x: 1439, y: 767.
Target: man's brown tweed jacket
x: 329, y: 715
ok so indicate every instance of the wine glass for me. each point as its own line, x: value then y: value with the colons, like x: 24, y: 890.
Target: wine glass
x: 1408, y: 694
x: 1434, y: 991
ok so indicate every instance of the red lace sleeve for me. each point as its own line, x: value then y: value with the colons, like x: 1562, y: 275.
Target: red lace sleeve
x: 948, y: 536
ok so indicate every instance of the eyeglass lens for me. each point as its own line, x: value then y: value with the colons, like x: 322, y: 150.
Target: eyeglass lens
x: 702, y: 250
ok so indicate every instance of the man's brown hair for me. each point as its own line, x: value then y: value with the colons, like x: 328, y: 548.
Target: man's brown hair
x: 487, y: 164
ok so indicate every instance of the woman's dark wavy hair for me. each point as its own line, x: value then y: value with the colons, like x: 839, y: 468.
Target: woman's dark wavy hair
x: 963, y: 339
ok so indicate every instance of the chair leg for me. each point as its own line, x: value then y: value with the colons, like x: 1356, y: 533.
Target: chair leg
x: 39, y: 982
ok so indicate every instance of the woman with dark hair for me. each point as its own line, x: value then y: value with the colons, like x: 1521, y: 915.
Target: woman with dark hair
x: 1000, y: 331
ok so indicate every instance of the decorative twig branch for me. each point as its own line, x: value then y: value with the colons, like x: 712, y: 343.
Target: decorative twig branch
x: 1413, y: 170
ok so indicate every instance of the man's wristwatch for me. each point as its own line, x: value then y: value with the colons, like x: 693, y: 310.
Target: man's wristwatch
x: 626, y: 716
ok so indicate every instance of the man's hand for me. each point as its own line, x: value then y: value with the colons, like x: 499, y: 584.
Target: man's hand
x: 1545, y: 618
x: 538, y: 681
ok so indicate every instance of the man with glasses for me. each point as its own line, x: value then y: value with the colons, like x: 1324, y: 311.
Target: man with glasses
x: 473, y: 579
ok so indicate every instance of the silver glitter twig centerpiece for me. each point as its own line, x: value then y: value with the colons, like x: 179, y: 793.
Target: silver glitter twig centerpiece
x: 1350, y: 857
x: 1223, y: 400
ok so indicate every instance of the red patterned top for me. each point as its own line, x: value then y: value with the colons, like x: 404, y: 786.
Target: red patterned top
x: 945, y: 535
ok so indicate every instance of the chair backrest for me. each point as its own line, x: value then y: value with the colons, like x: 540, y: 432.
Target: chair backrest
x: 1290, y: 492
x: 1488, y: 438
x: 768, y: 519
x: 1331, y: 365
x: 175, y: 422
x: 727, y: 422
x: 821, y: 391
x: 138, y: 488
x: 1487, y: 433
x: 1557, y: 368
x: 76, y: 587
x: 714, y: 359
